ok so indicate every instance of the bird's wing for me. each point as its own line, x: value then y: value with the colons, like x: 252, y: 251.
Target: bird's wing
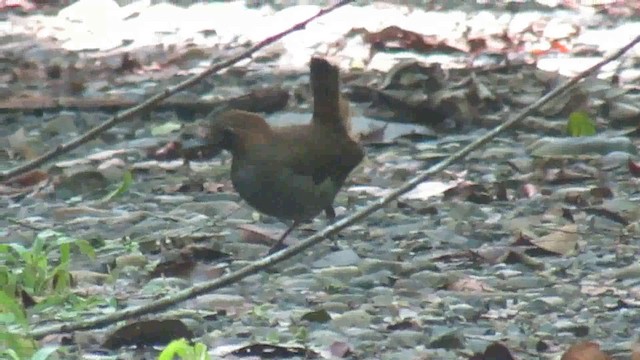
x: 325, y: 159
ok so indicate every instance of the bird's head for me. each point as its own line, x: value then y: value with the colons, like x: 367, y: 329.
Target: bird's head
x: 235, y: 130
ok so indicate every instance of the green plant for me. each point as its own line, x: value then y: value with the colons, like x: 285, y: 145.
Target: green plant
x: 14, y: 345
x: 261, y: 312
x: 31, y: 269
x: 41, y: 354
x: 580, y: 124
x: 127, y: 181
x: 300, y: 333
x: 185, y: 351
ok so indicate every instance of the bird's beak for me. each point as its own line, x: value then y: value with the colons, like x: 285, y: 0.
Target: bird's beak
x: 203, y: 143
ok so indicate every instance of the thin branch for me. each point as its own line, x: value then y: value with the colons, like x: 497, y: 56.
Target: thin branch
x: 296, y: 249
x: 266, y: 99
x: 156, y: 99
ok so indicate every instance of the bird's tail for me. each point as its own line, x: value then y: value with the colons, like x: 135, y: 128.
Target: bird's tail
x: 329, y: 107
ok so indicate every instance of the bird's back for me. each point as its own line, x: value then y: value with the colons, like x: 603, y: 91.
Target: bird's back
x: 281, y: 185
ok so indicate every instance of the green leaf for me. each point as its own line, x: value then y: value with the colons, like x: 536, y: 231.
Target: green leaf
x: 17, y: 248
x: 127, y: 180
x: 273, y: 337
x: 38, y: 246
x: 44, y: 353
x: 86, y: 248
x: 177, y: 347
x: 8, y: 279
x: 580, y: 124
x: 83, y: 245
x: 201, y: 353
x: 10, y: 354
x: 11, y: 305
x: 61, y: 277
x: 302, y: 334
x: 18, y: 346
x: 319, y: 316
x: 44, y: 234
x: 65, y: 253
x: 166, y: 128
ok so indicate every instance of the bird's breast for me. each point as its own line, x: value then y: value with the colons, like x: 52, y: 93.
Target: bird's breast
x: 280, y: 192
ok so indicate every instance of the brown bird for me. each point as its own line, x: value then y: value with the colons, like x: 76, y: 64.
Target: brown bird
x: 292, y: 172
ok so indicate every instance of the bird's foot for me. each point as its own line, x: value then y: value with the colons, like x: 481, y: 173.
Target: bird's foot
x: 334, y: 245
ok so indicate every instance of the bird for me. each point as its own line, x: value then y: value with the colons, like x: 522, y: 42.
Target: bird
x: 291, y: 172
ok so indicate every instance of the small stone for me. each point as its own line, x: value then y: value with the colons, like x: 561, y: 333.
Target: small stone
x: 354, y: 318
x: 335, y: 307
x: 89, y: 277
x: 382, y: 300
x: 372, y: 280
x: 324, y: 337
x: 349, y: 298
x: 451, y: 339
x: 135, y: 260
x: 296, y: 269
x: 370, y: 266
x: 419, y: 263
x: 548, y: 303
x: 345, y: 257
x: 579, y: 330
x: 210, y: 208
x: 370, y: 335
x: 64, y: 124
x: 579, y: 146
x: 406, y: 338
x: 343, y: 273
x: 430, y: 279
x: 165, y: 282
x: 217, y: 301
x: 245, y: 252
x: 417, y: 353
x: 299, y: 284
x: 465, y: 310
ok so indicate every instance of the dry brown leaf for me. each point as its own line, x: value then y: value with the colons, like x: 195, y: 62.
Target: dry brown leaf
x: 340, y: 349
x: 493, y: 254
x: 263, y: 235
x: 470, y: 285
x: 561, y: 242
x: 634, y: 168
x: 585, y: 351
x: 19, y: 144
x: 635, y: 351
x: 29, y: 179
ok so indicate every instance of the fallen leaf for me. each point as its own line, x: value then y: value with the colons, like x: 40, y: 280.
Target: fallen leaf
x: 469, y: 285
x: 635, y: 351
x: 634, y: 168
x: 561, y: 242
x: 166, y: 128
x: 340, y: 349
x: 127, y: 180
x: 31, y: 178
x: 585, y: 351
x: 19, y: 144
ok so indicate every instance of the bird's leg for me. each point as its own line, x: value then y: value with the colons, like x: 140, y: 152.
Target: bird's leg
x: 331, y: 216
x: 330, y: 213
x: 279, y: 245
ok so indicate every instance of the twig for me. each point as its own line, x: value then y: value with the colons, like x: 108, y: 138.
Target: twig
x: 268, y: 99
x: 156, y: 99
x: 296, y: 249
x: 28, y: 226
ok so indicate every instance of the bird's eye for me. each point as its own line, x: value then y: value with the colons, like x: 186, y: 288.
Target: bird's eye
x: 228, y: 138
